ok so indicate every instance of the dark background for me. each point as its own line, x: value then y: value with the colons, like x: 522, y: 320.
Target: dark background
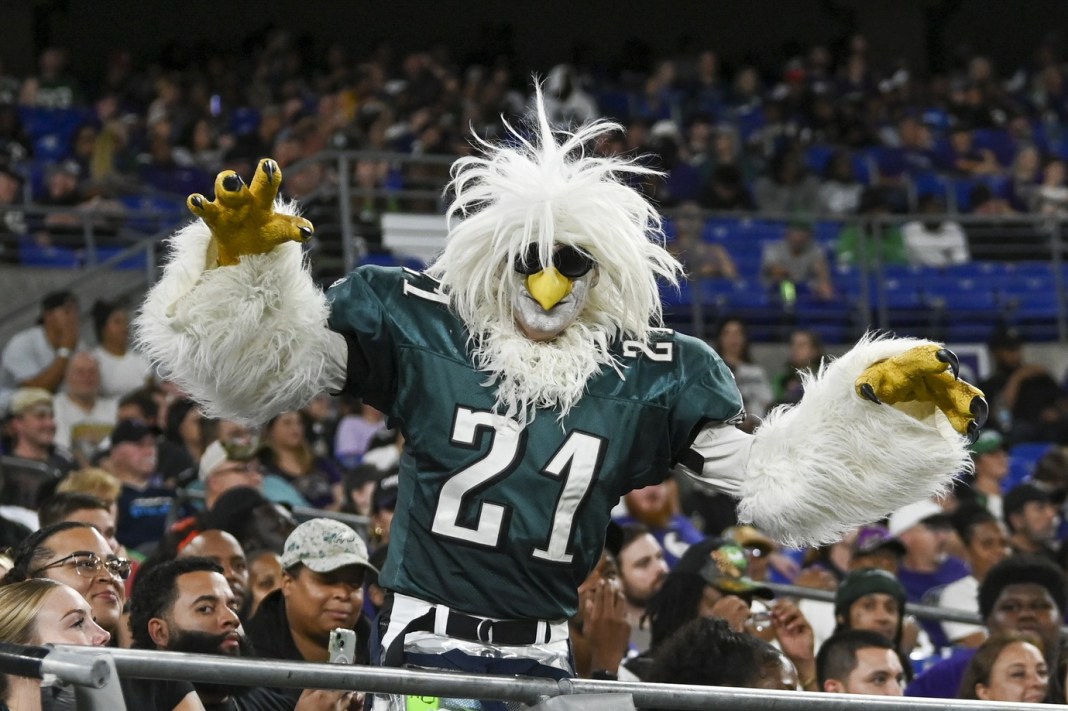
x: 927, y: 34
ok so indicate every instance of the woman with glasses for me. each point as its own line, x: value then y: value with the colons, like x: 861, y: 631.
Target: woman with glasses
x: 42, y: 612
x: 75, y: 554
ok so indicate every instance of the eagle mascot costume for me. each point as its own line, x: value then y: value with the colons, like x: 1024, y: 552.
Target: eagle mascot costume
x: 534, y: 387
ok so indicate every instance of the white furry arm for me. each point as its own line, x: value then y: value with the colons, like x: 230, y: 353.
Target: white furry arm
x: 245, y: 341
x: 836, y: 461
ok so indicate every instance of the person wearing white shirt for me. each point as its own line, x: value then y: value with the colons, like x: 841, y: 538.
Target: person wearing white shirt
x: 122, y: 369
x: 985, y: 545
x: 934, y: 242
x: 83, y: 418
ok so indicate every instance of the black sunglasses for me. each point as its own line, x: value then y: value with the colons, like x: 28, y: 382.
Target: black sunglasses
x: 569, y: 261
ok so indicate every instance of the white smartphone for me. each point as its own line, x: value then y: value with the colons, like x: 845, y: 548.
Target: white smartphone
x: 342, y: 646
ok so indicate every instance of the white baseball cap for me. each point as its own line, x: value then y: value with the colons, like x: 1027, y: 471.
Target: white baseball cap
x: 908, y: 516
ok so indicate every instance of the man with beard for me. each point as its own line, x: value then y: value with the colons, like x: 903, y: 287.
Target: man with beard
x: 186, y: 605
x: 223, y: 549
x: 656, y: 506
x: 641, y: 574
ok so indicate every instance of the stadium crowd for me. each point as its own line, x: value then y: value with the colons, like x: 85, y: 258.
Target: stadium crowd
x: 134, y: 520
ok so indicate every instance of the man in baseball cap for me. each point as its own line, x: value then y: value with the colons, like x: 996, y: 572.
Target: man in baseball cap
x: 924, y: 529
x: 323, y: 567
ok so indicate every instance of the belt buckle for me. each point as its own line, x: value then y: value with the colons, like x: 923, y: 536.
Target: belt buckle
x: 488, y: 636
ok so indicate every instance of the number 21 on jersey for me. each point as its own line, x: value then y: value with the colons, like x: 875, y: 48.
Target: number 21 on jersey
x: 575, y: 462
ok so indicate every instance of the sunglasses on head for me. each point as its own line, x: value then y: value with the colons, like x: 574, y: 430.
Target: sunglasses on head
x: 569, y: 261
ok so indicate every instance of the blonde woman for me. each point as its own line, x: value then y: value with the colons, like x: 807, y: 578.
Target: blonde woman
x: 41, y: 611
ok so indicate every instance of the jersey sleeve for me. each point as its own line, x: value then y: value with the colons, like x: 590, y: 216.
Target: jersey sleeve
x: 359, y: 314
x: 707, y: 395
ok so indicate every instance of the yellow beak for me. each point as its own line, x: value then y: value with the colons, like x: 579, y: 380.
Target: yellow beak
x: 548, y: 286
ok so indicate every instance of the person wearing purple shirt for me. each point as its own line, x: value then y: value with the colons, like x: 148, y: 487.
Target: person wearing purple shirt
x: 1020, y: 594
x: 923, y: 528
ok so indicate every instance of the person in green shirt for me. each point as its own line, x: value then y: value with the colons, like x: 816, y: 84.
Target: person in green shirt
x: 865, y: 242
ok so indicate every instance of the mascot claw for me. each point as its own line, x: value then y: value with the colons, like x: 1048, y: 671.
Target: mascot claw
x: 242, y: 218
x: 926, y: 374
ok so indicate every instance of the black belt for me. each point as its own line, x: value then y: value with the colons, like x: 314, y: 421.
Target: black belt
x: 479, y: 629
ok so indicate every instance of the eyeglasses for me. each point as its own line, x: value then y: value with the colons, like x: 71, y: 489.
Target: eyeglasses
x: 569, y: 261
x: 90, y: 565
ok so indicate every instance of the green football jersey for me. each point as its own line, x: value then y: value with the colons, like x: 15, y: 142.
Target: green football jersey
x: 490, y: 519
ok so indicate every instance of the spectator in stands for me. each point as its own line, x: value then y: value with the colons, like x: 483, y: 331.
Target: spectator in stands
x: 642, y: 570
x: 924, y: 530
x: 1008, y: 667
x: 84, y: 418
x: 53, y: 87
x: 1025, y: 401
x: 223, y: 549
x: 787, y: 188
x: 187, y: 606
x: 868, y: 241
x: 94, y: 481
x: 35, y: 465
x: 75, y: 554
x: 870, y: 599
x: 289, y: 456
x: 39, y: 612
x: 257, y: 523
x: 985, y: 546
x: 840, y: 191
x: 932, y: 241
x: 987, y: 203
x: 264, y: 577
x: 82, y: 508
x: 1024, y: 176
x: 1031, y: 518
x: 323, y: 565
x: 144, y: 505
x: 657, y: 508
x: 12, y: 218
x: 858, y: 661
x: 702, y: 259
x: 726, y: 191
x: 806, y: 353
x: 359, y: 487
x: 1051, y: 196
x: 383, y: 505
x: 122, y: 370
x: 991, y: 460
x: 761, y: 552
x: 37, y: 357
x: 798, y: 261
x: 732, y: 344
x: 964, y: 158
x: 600, y: 633
x: 708, y: 652
x: 566, y: 103
x: 355, y: 430
x: 1019, y: 594
x: 710, y: 581
x: 184, y: 432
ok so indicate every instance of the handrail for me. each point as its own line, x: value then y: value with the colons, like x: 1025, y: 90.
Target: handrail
x: 301, y: 512
x: 70, y: 664
x: 201, y: 668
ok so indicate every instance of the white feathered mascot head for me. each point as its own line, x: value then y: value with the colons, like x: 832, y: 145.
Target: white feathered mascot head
x: 550, y: 259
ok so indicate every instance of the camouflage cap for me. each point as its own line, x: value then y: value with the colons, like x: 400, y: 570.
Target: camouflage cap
x: 324, y: 545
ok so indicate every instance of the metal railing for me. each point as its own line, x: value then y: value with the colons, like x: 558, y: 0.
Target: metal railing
x: 209, y: 669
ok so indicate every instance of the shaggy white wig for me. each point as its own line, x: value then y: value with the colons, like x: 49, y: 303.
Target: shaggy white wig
x: 548, y: 192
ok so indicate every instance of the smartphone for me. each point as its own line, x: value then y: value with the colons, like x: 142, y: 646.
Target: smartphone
x: 342, y: 646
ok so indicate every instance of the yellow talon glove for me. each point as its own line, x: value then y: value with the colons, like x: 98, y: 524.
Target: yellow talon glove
x: 242, y: 218
x: 926, y: 374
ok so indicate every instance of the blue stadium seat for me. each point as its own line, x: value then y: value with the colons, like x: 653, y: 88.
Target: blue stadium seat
x: 244, y: 120
x: 817, y: 157
x: 1022, y: 460
x: 32, y: 254
x: 996, y: 140
x: 927, y: 183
